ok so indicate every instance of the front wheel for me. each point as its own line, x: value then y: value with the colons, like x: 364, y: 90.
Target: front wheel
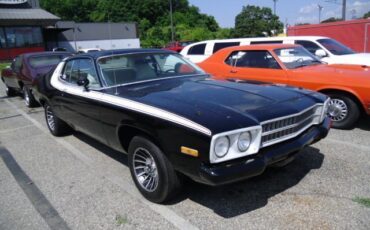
x: 343, y: 111
x: 56, y: 126
x: 151, y: 171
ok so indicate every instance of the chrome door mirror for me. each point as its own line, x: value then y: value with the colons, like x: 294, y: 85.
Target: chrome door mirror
x: 321, y: 53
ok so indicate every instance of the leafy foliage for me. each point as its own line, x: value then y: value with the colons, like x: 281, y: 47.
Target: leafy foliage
x: 152, y: 16
x: 331, y: 19
x: 367, y: 15
x: 256, y: 21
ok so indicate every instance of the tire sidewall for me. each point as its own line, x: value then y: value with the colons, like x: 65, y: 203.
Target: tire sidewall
x: 353, y: 112
x: 161, y: 192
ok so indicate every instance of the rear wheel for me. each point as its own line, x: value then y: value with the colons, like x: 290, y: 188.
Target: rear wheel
x: 151, y: 171
x: 10, y: 92
x: 29, y: 98
x: 343, y: 111
x: 56, y: 126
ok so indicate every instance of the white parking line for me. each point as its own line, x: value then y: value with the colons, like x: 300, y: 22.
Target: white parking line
x: 165, y: 212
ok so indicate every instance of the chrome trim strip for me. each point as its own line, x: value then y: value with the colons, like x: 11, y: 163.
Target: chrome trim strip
x: 292, y: 115
x: 290, y: 126
x: 157, y: 79
x: 124, y: 103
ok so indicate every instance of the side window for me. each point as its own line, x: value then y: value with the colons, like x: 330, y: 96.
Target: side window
x: 266, y: 42
x: 310, y: 46
x: 75, y: 68
x: 197, y: 49
x: 86, y: 66
x: 67, y: 72
x: 221, y: 45
x: 252, y: 59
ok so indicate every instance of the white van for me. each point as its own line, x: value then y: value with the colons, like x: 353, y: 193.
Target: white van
x: 327, y: 49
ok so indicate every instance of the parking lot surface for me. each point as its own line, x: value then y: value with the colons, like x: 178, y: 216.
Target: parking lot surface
x: 74, y: 182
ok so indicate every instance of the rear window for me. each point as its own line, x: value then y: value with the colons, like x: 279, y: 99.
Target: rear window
x: 41, y: 61
x: 221, y: 45
x: 197, y: 49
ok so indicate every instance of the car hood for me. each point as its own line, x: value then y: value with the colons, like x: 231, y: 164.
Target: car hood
x: 220, y: 105
x: 353, y: 59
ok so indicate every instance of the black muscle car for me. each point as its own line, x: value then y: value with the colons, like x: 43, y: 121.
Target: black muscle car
x: 172, y: 119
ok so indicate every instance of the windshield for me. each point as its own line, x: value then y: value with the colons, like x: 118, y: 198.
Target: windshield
x: 43, y: 61
x: 335, y: 47
x: 130, y: 68
x: 295, y: 57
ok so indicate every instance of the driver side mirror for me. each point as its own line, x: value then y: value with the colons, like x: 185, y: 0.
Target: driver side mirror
x: 83, y: 81
x: 320, y: 53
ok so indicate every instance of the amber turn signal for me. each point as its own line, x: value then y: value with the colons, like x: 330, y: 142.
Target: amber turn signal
x: 189, y: 151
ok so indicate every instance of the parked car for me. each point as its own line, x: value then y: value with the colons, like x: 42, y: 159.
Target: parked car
x: 347, y: 85
x: 19, y: 77
x: 327, y: 49
x: 88, y: 50
x: 172, y: 119
x: 177, y: 46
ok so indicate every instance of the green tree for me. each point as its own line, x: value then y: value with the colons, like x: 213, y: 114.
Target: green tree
x: 256, y: 21
x: 367, y: 15
x: 152, y: 17
x: 331, y: 19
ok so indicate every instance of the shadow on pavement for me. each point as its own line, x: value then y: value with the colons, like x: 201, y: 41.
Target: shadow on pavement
x: 364, y: 123
x: 235, y: 199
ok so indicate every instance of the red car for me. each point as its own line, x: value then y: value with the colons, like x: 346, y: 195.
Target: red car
x: 20, y: 76
x: 177, y: 46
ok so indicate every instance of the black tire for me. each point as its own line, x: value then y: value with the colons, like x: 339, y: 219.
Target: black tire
x: 28, y: 97
x: 56, y: 126
x: 343, y: 102
x: 10, y: 92
x: 168, y: 182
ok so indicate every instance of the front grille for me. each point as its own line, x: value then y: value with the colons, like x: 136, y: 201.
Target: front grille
x: 287, y: 127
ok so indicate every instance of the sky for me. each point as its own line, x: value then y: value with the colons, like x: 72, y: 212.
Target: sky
x: 289, y: 11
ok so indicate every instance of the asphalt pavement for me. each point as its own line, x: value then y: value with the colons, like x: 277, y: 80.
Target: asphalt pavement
x: 74, y: 182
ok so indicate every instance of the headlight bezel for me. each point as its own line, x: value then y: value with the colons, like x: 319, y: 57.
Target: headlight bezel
x: 233, y: 136
x: 325, y: 109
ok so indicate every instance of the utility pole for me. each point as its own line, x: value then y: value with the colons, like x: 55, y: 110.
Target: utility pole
x: 275, y: 6
x: 344, y: 6
x: 344, y: 10
x: 172, y: 29
x: 320, y: 9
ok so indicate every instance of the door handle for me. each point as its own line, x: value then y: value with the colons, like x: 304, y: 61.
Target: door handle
x: 233, y: 71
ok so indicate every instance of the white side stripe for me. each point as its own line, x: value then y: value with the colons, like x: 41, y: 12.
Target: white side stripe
x: 124, y: 103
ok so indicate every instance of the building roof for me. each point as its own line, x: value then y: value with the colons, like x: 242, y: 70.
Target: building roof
x: 33, y: 16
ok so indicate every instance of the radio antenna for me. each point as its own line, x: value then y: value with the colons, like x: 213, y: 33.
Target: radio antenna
x: 111, y: 48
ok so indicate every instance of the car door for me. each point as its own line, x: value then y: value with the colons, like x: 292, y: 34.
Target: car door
x: 80, y: 106
x: 257, y: 65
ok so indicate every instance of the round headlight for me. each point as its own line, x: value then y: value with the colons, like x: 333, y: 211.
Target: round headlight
x: 222, y: 145
x: 244, y: 141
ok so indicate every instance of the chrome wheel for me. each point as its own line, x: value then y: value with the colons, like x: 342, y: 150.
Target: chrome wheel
x: 145, y: 169
x: 338, y: 110
x: 50, y: 118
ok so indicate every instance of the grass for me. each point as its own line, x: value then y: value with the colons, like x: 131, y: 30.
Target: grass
x: 3, y: 65
x: 362, y: 200
x: 121, y: 220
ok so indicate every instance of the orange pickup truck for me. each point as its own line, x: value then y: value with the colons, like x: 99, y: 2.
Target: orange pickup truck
x: 347, y: 85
